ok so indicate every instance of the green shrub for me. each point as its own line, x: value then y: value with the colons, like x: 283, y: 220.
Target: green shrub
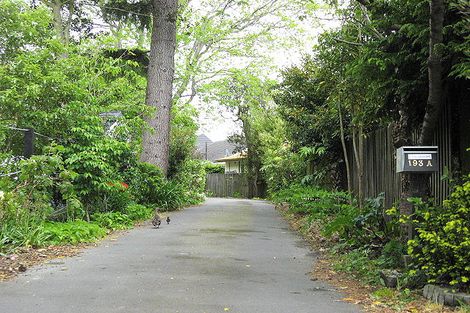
x: 23, y: 233
x: 170, y: 196
x: 192, y: 179
x: 44, y: 187
x: 112, y: 220
x: 138, y: 212
x: 392, y: 254
x: 357, y: 227
x: 143, y: 180
x: 386, y: 294
x: 441, y: 248
x: 211, y: 168
x: 331, y: 207
x: 366, y: 227
x: 396, y: 299
x: 312, y: 200
x: 117, y: 198
x: 21, y: 219
x: 343, y: 224
x: 150, y: 188
x: 72, y: 232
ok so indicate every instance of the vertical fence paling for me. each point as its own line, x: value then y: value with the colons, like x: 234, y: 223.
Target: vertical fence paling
x: 29, y: 137
x: 28, y: 142
x: 379, y: 164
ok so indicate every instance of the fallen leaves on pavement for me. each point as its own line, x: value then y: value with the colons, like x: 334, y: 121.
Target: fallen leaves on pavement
x: 23, y: 258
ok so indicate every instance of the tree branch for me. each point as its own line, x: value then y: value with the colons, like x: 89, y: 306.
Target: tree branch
x: 349, y: 42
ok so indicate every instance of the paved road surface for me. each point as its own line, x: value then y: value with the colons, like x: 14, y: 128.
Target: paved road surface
x: 224, y: 256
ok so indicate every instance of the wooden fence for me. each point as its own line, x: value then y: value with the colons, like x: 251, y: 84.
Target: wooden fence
x: 380, y: 164
x: 227, y: 185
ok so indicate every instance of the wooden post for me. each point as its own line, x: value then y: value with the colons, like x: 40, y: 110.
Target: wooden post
x: 29, y: 137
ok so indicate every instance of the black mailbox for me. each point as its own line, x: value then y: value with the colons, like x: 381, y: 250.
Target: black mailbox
x: 417, y: 159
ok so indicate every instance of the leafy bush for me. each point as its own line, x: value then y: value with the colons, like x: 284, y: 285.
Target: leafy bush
x: 25, y: 233
x: 144, y: 180
x: 182, y: 137
x: 192, y: 179
x: 367, y: 227
x: 392, y: 254
x: 397, y: 299
x: 72, y: 232
x: 150, y: 188
x: 112, y: 220
x: 281, y: 166
x: 170, y: 196
x: 441, y: 248
x: 117, y: 199
x: 46, y: 187
x: 42, y: 190
x: 97, y: 161
x: 211, y: 168
x: 312, y: 200
x: 138, y: 212
x: 20, y: 225
x: 331, y: 207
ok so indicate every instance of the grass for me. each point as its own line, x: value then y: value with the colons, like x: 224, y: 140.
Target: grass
x: 73, y: 232
x: 358, y: 264
x: 37, y: 233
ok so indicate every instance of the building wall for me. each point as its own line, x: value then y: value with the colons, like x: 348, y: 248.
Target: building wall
x: 233, y: 167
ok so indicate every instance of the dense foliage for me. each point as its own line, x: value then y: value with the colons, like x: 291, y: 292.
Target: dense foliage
x: 86, y: 107
x: 369, y: 73
x: 363, y: 240
x: 84, y: 99
x: 352, y: 226
x: 212, y: 168
x: 70, y: 232
x: 441, y: 248
x: 366, y: 240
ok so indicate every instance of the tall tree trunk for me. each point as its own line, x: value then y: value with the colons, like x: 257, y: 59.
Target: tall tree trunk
x: 416, y: 184
x: 361, y: 170
x: 161, y: 72
x: 56, y: 7
x: 345, y: 151
x: 68, y: 22
x: 61, y: 27
x: 402, y: 137
x: 358, y: 150
x: 250, y: 159
x: 434, y: 102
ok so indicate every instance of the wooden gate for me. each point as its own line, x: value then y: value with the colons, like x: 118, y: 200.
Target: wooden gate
x: 227, y: 185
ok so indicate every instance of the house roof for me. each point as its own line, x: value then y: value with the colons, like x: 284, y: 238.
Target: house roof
x: 215, y: 150
x: 234, y: 157
x: 219, y: 149
x: 201, y: 143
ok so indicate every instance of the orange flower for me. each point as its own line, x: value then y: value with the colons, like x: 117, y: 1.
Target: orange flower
x: 123, y: 184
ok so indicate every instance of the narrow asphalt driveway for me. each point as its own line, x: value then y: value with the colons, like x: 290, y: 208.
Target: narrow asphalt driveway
x: 224, y: 256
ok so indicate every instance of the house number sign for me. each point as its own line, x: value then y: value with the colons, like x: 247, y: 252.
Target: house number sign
x: 417, y: 159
